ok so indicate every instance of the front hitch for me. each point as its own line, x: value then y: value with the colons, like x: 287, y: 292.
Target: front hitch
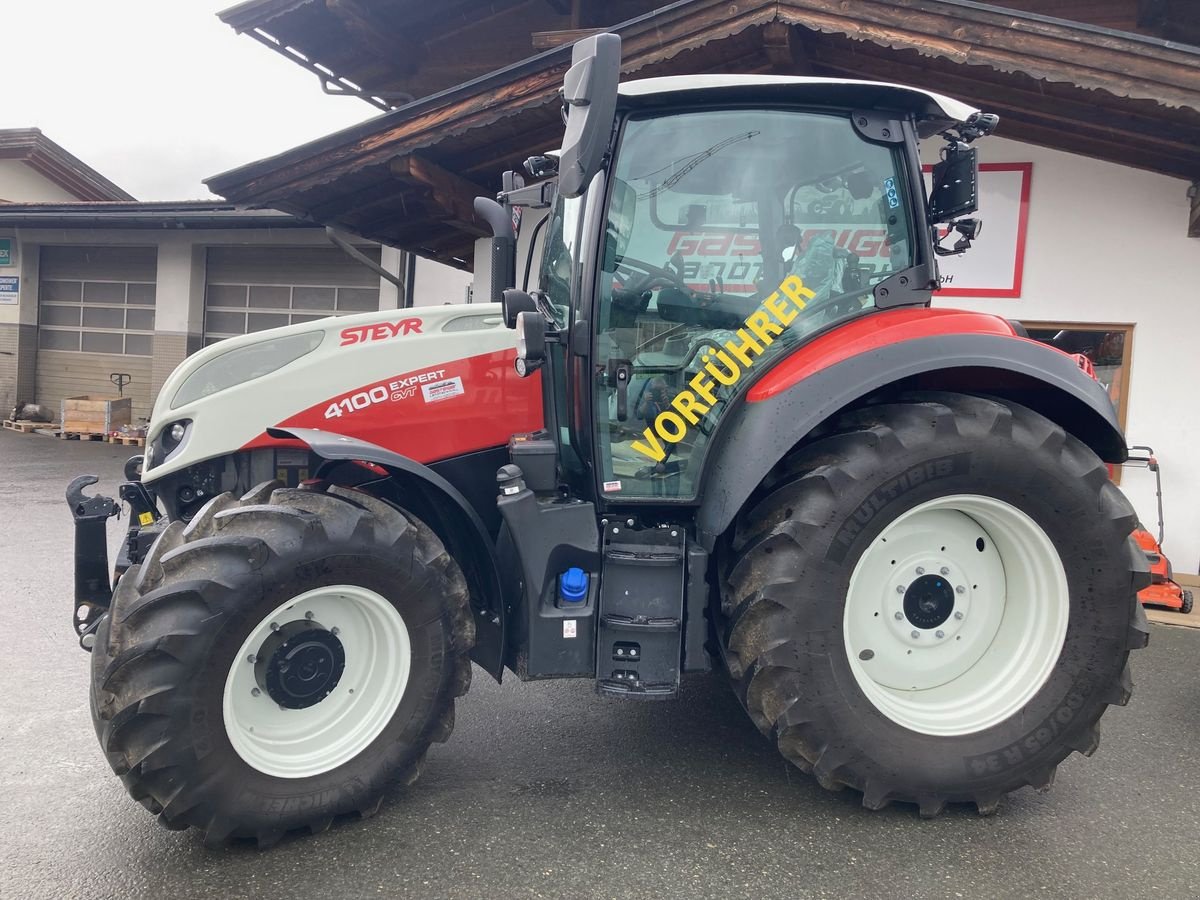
x: 93, y: 589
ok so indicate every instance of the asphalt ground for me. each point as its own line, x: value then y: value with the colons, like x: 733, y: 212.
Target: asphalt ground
x: 546, y: 790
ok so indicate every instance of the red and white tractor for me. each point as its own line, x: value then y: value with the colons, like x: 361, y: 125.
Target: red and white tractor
x: 714, y: 430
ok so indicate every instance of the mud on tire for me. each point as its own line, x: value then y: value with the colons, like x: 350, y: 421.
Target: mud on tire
x: 788, y: 567
x: 164, y: 652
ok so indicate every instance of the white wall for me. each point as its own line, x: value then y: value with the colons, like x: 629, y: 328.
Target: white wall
x: 19, y: 183
x: 436, y: 284
x: 1109, y: 244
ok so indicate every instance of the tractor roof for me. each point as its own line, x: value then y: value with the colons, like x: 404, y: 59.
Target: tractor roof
x: 843, y: 92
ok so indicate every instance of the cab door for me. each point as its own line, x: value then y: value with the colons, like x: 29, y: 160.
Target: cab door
x: 730, y: 237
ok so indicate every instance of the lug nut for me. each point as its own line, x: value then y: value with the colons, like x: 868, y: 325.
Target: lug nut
x: 916, y: 634
x: 960, y: 590
x: 920, y: 570
x: 944, y: 570
x: 958, y: 615
x: 254, y: 692
x: 899, y: 616
x: 941, y: 634
x: 335, y: 630
x: 900, y: 589
x: 274, y: 626
x: 252, y: 659
x: 309, y: 615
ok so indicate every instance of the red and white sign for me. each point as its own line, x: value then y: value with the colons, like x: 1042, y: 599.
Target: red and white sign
x: 994, y: 264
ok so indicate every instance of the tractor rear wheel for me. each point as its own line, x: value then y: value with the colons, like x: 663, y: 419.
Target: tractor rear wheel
x: 279, y: 661
x: 935, y: 602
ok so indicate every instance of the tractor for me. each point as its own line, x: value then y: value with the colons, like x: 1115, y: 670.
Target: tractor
x: 718, y: 427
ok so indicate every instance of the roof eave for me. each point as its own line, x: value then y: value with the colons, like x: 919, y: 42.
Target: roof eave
x: 1007, y: 41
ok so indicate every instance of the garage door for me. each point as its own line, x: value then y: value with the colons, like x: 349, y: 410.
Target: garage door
x: 255, y: 288
x: 95, y: 317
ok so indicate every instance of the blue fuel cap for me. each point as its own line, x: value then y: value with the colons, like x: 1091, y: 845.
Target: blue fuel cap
x: 573, y: 585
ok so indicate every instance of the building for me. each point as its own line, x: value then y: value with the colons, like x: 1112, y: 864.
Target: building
x: 1090, y: 193
x: 95, y: 285
x: 34, y: 169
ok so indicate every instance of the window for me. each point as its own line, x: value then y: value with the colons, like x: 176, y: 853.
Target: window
x: 712, y: 214
x: 255, y: 288
x: 97, y: 316
x: 1107, y: 347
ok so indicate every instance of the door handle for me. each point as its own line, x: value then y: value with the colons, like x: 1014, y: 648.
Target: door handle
x: 618, y: 372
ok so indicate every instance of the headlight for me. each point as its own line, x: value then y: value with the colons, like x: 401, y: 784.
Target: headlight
x: 245, y: 364
x: 173, y: 436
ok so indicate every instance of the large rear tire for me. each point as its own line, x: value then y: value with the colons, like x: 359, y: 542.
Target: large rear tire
x: 279, y: 661
x: 935, y: 602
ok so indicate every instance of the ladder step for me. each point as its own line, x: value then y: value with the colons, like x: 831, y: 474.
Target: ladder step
x: 640, y: 623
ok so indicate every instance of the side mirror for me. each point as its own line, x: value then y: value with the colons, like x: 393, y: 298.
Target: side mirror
x: 516, y: 301
x: 531, y: 342
x: 955, y: 186
x: 590, y: 100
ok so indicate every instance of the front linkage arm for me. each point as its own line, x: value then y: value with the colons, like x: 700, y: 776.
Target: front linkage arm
x: 93, y: 584
x: 93, y: 590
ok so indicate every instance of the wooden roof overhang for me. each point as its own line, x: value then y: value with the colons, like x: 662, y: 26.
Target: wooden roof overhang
x: 407, y: 177
x: 51, y: 161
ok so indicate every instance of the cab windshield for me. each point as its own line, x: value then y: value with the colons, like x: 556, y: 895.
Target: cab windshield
x: 730, y: 235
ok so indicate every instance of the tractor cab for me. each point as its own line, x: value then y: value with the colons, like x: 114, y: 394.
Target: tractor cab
x: 718, y: 223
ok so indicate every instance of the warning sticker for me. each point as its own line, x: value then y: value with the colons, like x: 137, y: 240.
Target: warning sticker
x: 569, y: 628
x: 442, y: 390
x: 610, y: 486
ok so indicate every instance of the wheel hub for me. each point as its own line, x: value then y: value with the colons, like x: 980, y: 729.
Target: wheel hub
x: 300, y: 664
x: 928, y: 601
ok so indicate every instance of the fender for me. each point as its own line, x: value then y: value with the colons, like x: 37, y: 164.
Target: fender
x: 453, y: 518
x: 817, y: 381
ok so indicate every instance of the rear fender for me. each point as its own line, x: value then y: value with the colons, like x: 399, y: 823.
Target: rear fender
x: 814, y: 384
x: 440, y: 505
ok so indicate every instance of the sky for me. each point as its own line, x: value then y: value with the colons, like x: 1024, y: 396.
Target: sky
x: 157, y: 95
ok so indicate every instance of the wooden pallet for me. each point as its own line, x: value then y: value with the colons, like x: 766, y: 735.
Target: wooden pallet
x: 82, y: 435
x: 127, y: 440
x: 26, y: 427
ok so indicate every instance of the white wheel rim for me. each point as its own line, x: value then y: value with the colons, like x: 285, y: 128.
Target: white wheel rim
x: 1003, y: 634
x: 299, y: 743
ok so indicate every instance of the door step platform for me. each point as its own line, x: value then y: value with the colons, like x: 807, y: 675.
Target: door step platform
x: 640, y: 633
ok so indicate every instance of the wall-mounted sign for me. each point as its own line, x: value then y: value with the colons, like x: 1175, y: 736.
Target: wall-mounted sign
x: 994, y: 264
x: 6, y: 251
x: 10, y: 290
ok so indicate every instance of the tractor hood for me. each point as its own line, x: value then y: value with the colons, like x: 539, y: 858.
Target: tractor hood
x: 413, y: 380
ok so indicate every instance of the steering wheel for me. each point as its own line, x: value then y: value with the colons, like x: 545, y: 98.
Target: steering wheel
x: 650, y: 275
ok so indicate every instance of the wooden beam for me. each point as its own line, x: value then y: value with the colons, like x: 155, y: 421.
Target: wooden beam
x: 546, y: 40
x: 784, y: 48
x: 452, y: 194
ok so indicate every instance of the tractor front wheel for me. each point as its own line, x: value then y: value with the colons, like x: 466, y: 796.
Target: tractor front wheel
x: 935, y: 602
x: 279, y: 661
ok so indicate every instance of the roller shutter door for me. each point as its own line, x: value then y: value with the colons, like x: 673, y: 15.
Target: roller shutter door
x: 254, y: 288
x: 95, y: 317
